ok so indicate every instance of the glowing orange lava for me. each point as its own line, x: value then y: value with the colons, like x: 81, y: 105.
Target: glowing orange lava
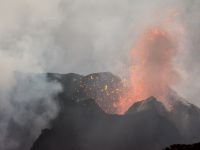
x: 151, y: 71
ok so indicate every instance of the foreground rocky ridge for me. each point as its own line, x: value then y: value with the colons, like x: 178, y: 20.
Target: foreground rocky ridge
x: 83, y: 125
x: 195, y: 146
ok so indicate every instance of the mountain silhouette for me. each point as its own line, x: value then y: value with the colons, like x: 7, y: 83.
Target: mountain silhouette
x: 82, y: 124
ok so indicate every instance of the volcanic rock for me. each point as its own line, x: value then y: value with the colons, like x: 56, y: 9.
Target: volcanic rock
x: 83, y: 125
x: 195, y: 146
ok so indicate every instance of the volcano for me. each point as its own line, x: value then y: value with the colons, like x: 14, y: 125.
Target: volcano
x: 85, y: 124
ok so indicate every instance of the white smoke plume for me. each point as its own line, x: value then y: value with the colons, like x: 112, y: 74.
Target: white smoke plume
x: 26, y: 98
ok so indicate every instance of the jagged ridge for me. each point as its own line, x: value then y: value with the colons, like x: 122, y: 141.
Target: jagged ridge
x: 83, y: 125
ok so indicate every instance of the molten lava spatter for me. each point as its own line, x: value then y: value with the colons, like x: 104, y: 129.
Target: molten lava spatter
x: 151, y: 71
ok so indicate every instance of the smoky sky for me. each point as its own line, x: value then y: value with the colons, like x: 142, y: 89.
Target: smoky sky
x: 92, y: 36
x: 85, y: 36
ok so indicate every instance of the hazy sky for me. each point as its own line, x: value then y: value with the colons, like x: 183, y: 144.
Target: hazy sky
x: 85, y: 36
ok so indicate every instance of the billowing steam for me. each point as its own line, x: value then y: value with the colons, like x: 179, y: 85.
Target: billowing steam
x: 27, y: 101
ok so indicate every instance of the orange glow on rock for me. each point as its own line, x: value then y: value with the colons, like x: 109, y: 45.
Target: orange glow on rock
x: 151, y: 72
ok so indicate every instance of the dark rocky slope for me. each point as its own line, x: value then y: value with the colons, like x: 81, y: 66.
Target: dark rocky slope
x: 83, y: 125
x: 195, y: 146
